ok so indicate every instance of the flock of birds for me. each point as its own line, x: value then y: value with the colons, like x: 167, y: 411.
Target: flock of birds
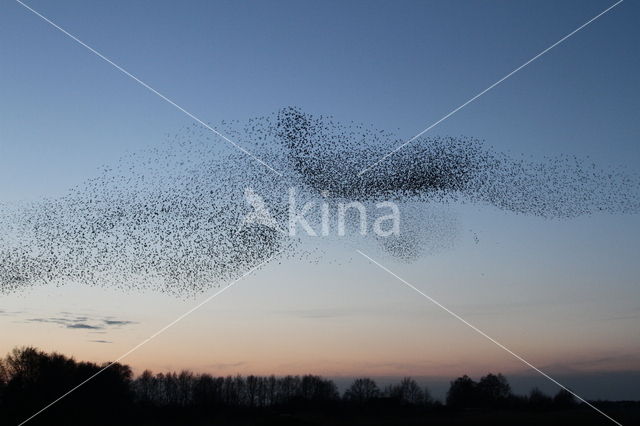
x: 171, y: 218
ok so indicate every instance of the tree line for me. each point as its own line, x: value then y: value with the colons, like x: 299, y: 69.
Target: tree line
x: 30, y: 379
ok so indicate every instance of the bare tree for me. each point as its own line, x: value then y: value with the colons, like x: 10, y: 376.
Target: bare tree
x: 362, y: 391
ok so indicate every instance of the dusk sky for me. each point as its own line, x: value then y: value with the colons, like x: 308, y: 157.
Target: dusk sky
x: 562, y: 293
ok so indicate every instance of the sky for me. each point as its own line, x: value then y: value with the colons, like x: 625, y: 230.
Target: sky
x: 564, y: 294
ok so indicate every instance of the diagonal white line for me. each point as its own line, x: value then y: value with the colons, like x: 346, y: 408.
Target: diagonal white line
x: 147, y: 340
x: 488, y: 88
x: 146, y: 86
x: 500, y: 345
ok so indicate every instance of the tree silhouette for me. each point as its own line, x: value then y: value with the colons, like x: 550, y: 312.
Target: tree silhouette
x: 30, y: 379
x: 35, y: 378
x: 408, y: 392
x: 564, y: 399
x: 462, y: 393
x: 315, y: 388
x: 493, y: 390
x: 362, y: 390
x: 539, y: 400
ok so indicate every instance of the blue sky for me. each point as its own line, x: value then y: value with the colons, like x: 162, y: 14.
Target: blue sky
x: 398, y: 65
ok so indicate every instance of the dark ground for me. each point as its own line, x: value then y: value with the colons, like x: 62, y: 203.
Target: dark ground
x: 585, y: 416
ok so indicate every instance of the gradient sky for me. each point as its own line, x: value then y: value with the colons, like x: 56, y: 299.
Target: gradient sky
x: 565, y: 294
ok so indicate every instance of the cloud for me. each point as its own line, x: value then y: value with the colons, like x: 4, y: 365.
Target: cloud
x: 625, y: 315
x: 84, y: 326
x: 101, y: 341
x: 77, y: 323
x: 83, y: 322
x: 226, y: 366
x: 118, y: 322
x: 612, y: 361
x: 10, y: 313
